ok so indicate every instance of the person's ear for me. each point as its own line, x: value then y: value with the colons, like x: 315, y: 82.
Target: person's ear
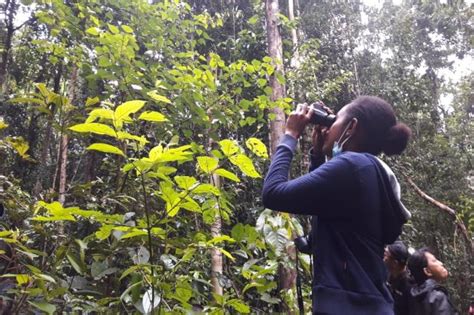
x: 427, y: 272
x: 352, y: 126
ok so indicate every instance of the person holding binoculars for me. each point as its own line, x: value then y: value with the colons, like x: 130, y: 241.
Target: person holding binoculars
x: 352, y: 196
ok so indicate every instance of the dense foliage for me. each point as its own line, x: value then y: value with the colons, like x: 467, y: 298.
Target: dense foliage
x: 134, y: 139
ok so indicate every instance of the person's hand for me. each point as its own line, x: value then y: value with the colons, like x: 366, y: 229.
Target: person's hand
x: 298, y: 120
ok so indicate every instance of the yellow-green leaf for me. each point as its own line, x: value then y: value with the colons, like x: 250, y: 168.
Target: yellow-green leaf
x: 104, y: 113
x: 96, y: 128
x: 92, y: 31
x: 134, y: 233
x: 113, y: 29
x: 104, y: 232
x: 125, y: 135
x: 127, y: 29
x: 226, y: 253
x: 244, y: 163
x: 153, y: 116
x: 92, y: 101
x: 185, y: 182
x: 229, y: 147
x: 106, y: 148
x: 207, y: 189
x: 257, y: 147
x: 159, y: 98
x: 225, y: 173
x: 22, y: 279
x: 123, y: 111
x: 207, y: 164
x: 3, y: 125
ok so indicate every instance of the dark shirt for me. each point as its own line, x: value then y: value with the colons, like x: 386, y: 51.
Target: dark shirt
x: 357, y: 214
x: 400, y: 288
x: 430, y: 298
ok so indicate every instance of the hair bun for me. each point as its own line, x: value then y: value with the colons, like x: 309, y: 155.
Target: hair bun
x: 397, y: 139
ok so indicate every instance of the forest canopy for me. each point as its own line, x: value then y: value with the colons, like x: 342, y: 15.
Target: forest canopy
x: 134, y: 136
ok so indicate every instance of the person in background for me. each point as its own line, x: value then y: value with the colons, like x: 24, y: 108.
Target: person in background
x: 353, y: 198
x: 395, y: 258
x: 428, y: 297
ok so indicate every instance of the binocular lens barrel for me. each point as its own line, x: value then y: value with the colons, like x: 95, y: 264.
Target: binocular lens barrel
x: 321, y: 116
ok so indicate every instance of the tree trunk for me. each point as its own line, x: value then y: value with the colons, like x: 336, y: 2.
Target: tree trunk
x: 63, y: 168
x: 295, y: 58
x: 287, y: 276
x: 217, y: 266
x: 275, y: 51
x: 10, y: 12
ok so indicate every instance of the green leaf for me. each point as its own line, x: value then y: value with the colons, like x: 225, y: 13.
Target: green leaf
x: 244, y: 163
x: 125, y: 135
x: 103, y: 113
x: 127, y: 29
x: 225, y: 173
x: 92, y: 101
x: 207, y: 189
x: 207, y: 164
x: 92, y: 31
x: 106, y: 148
x: 153, y: 116
x: 134, y: 233
x: 220, y: 239
x: 113, y: 29
x: 96, y: 128
x: 253, y: 20
x: 75, y: 263
x: 43, y: 306
x: 104, y: 232
x: 22, y: 279
x: 124, y: 110
x: 229, y: 147
x: 257, y: 147
x: 239, y: 306
x: 226, y: 253
x: 159, y: 98
x: 185, y: 182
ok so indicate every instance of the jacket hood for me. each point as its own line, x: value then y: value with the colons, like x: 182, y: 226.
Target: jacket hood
x: 395, y: 214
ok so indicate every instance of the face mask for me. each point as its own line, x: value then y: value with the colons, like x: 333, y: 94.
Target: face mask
x: 337, y: 148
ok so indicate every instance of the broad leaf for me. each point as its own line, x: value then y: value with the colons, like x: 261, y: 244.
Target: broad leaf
x: 153, y: 116
x: 244, y: 163
x: 207, y: 164
x: 225, y: 173
x: 96, y: 128
x: 103, y: 113
x: 106, y: 148
x: 229, y: 147
x: 123, y: 111
x: 43, y: 306
x: 159, y: 98
x: 257, y: 147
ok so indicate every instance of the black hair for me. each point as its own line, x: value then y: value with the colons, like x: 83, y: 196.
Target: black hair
x: 417, y: 263
x: 379, y: 123
x: 399, y: 252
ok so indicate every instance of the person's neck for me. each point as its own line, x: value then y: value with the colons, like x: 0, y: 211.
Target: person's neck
x: 396, y: 273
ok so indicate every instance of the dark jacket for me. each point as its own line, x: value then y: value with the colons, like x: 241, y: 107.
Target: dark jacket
x: 400, y: 288
x: 430, y: 298
x: 355, y: 213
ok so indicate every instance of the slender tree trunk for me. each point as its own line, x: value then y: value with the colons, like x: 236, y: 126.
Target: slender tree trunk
x: 287, y: 276
x: 63, y: 168
x: 295, y: 58
x: 275, y: 51
x: 217, y: 265
x: 10, y: 12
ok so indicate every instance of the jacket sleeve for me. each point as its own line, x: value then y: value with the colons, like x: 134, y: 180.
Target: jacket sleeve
x: 440, y: 304
x: 316, y: 193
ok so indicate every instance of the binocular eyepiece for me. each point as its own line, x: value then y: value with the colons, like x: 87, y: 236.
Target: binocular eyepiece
x: 321, y: 116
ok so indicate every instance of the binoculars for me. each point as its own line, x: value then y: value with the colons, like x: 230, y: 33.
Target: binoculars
x: 321, y: 116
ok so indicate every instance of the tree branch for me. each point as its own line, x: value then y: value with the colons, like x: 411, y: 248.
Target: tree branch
x: 445, y: 208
